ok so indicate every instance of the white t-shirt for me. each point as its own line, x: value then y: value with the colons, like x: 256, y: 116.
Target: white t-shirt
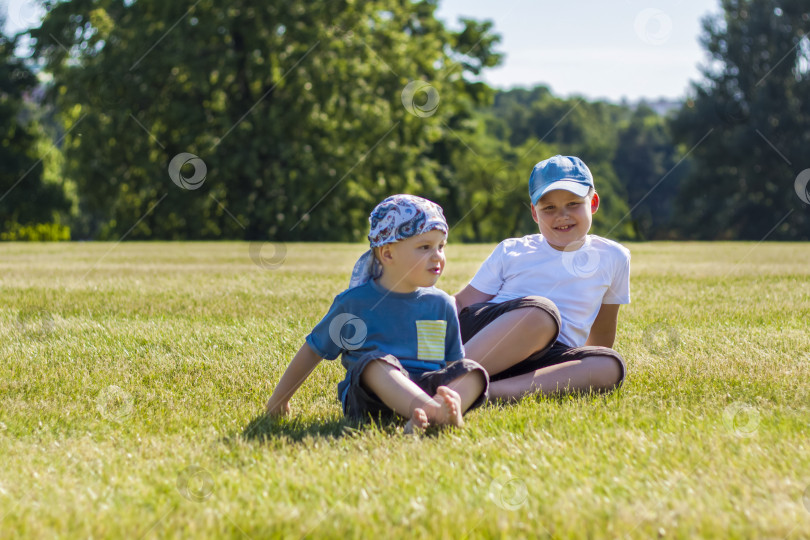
x: 578, y: 282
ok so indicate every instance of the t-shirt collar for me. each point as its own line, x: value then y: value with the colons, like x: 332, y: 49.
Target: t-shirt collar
x: 403, y: 296
x: 546, y: 246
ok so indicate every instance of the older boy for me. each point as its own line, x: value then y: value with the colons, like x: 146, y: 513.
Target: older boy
x: 541, y: 313
x: 398, y: 335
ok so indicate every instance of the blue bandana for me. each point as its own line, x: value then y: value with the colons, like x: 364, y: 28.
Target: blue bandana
x: 398, y: 217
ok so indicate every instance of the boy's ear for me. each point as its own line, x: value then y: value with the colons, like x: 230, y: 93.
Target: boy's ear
x: 384, y: 253
x: 594, y: 202
x: 534, y: 214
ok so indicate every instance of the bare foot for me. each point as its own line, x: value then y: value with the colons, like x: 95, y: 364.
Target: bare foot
x: 449, y: 412
x: 418, y: 422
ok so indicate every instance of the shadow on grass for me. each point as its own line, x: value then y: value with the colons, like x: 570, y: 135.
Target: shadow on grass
x: 266, y: 428
x: 561, y: 398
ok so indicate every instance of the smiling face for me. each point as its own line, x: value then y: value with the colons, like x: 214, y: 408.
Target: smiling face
x: 415, y: 262
x: 564, y: 217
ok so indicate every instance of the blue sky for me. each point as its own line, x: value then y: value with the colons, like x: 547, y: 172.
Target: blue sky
x: 599, y: 49
x: 611, y: 48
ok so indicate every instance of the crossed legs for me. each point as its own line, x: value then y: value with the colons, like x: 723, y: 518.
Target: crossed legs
x: 518, y: 334
x: 407, y: 399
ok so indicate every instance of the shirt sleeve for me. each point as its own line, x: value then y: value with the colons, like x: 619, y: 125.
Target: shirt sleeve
x: 454, y: 350
x: 489, y: 278
x: 619, y: 290
x: 320, y: 339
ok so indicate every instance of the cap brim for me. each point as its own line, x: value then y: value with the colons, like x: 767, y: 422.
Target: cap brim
x: 578, y: 189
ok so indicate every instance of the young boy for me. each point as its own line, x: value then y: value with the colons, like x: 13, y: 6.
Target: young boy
x: 399, y: 336
x: 541, y: 313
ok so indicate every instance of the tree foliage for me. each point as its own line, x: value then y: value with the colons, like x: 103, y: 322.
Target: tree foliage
x: 532, y: 125
x: 26, y: 198
x: 290, y: 120
x: 302, y: 115
x: 651, y: 168
x: 748, y: 125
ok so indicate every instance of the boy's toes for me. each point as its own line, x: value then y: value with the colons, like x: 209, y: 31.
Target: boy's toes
x: 418, y: 422
x: 451, y: 406
x: 448, y: 396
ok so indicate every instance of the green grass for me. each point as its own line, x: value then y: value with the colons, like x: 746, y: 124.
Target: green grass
x: 133, y: 378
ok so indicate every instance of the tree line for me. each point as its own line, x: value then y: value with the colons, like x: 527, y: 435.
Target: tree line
x: 289, y: 121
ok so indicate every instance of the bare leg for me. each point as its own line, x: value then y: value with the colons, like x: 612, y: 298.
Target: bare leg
x: 590, y: 373
x: 469, y: 386
x: 404, y: 397
x: 511, y: 338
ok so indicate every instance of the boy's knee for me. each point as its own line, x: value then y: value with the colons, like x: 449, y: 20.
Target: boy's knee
x: 377, y: 368
x: 607, y: 372
x: 473, y: 372
x: 533, y: 317
x: 538, y: 323
x: 481, y: 377
x: 370, y: 367
x: 545, y: 305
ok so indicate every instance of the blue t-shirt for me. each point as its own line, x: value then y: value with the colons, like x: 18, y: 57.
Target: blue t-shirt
x: 420, y: 328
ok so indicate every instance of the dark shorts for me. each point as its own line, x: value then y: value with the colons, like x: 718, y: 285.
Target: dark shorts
x: 361, y: 403
x: 475, y: 317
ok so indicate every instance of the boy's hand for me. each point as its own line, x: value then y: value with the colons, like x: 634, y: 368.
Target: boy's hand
x: 280, y: 409
x: 296, y: 373
x: 469, y: 295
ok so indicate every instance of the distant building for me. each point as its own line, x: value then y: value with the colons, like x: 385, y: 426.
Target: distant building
x: 662, y: 106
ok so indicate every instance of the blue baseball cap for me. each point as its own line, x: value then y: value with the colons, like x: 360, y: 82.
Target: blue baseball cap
x: 560, y: 172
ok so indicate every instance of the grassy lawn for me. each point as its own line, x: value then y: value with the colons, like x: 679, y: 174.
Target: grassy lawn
x: 133, y: 378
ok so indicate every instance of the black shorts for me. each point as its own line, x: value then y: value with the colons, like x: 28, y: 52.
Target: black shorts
x: 475, y: 317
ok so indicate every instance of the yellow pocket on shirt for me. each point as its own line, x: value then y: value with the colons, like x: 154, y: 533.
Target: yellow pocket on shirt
x: 430, y: 340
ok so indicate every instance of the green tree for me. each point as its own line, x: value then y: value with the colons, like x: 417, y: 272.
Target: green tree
x: 748, y: 124
x: 302, y: 115
x: 651, y: 169
x: 537, y: 125
x: 26, y: 198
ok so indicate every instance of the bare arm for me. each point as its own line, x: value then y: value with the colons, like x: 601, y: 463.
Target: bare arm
x: 603, y: 330
x: 469, y: 295
x: 296, y: 373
